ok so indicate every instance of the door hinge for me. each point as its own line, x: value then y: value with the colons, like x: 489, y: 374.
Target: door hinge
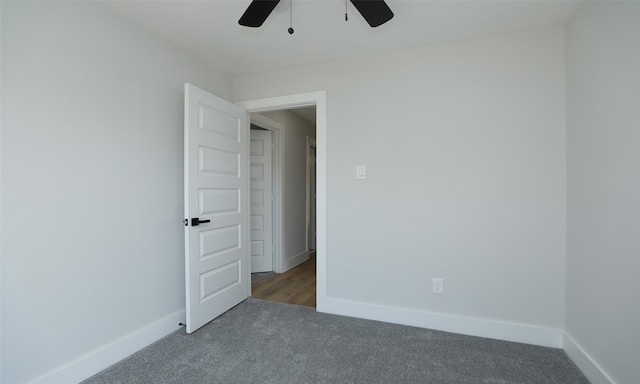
x: 186, y: 222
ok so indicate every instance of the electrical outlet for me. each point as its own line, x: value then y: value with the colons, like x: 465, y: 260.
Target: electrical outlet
x: 437, y: 285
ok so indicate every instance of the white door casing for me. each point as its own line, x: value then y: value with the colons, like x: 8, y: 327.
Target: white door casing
x: 216, y: 185
x: 261, y: 201
x: 312, y: 229
x: 311, y: 193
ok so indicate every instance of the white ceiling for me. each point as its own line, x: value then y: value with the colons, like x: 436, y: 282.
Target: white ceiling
x: 210, y: 30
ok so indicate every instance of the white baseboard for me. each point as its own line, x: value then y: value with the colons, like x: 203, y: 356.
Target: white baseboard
x: 592, y: 370
x: 112, y: 353
x: 96, y: 361
x: 521, y: 333
x: 296, y: 260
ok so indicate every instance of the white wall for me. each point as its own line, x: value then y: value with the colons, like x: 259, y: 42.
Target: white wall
x: 92, y: 142
x: 603, y: 262
x: 465, y: 151
x: 464, y: 145
x: 295, y: 201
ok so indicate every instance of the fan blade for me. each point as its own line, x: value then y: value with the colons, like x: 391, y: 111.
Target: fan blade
x: 375, y: 12
x: 257, y: 12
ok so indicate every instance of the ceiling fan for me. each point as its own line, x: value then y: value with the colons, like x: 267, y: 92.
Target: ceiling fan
x: 375, y: 12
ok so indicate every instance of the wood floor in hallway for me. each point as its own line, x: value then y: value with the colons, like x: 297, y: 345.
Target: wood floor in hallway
x: 296, y: 286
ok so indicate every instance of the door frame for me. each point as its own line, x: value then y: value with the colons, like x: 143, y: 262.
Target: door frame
x: 278, y: 131
x: 319, y: 99
x: 311, y: 143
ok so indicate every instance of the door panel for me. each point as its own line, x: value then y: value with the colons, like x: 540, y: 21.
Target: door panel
x: 261, y: 201
x: 216, y: 187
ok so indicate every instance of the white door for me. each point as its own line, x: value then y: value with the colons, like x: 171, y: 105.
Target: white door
x: 216, y: 186
x: 261, y: 221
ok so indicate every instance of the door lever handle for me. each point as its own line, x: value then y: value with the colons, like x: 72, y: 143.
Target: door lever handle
x: 196, y: 221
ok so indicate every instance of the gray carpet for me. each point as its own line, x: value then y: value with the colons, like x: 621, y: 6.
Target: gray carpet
x: 266, y: 342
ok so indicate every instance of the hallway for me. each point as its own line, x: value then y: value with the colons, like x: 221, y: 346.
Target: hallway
x: 296, y: 286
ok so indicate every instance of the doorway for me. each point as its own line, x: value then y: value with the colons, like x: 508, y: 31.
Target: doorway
x: 295, y: 283
x: 317, y: 99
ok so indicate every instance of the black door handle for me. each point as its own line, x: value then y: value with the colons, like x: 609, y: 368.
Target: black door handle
x: 196, y: 221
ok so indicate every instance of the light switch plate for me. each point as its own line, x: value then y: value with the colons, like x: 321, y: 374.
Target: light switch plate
x: 361, y: 172
x: 437, y: 285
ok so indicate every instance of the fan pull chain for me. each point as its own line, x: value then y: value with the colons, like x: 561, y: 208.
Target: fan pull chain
x: 290, y: 17
x: 346, y: 16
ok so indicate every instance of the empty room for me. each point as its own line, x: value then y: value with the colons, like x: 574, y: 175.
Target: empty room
x: 476, y: 205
